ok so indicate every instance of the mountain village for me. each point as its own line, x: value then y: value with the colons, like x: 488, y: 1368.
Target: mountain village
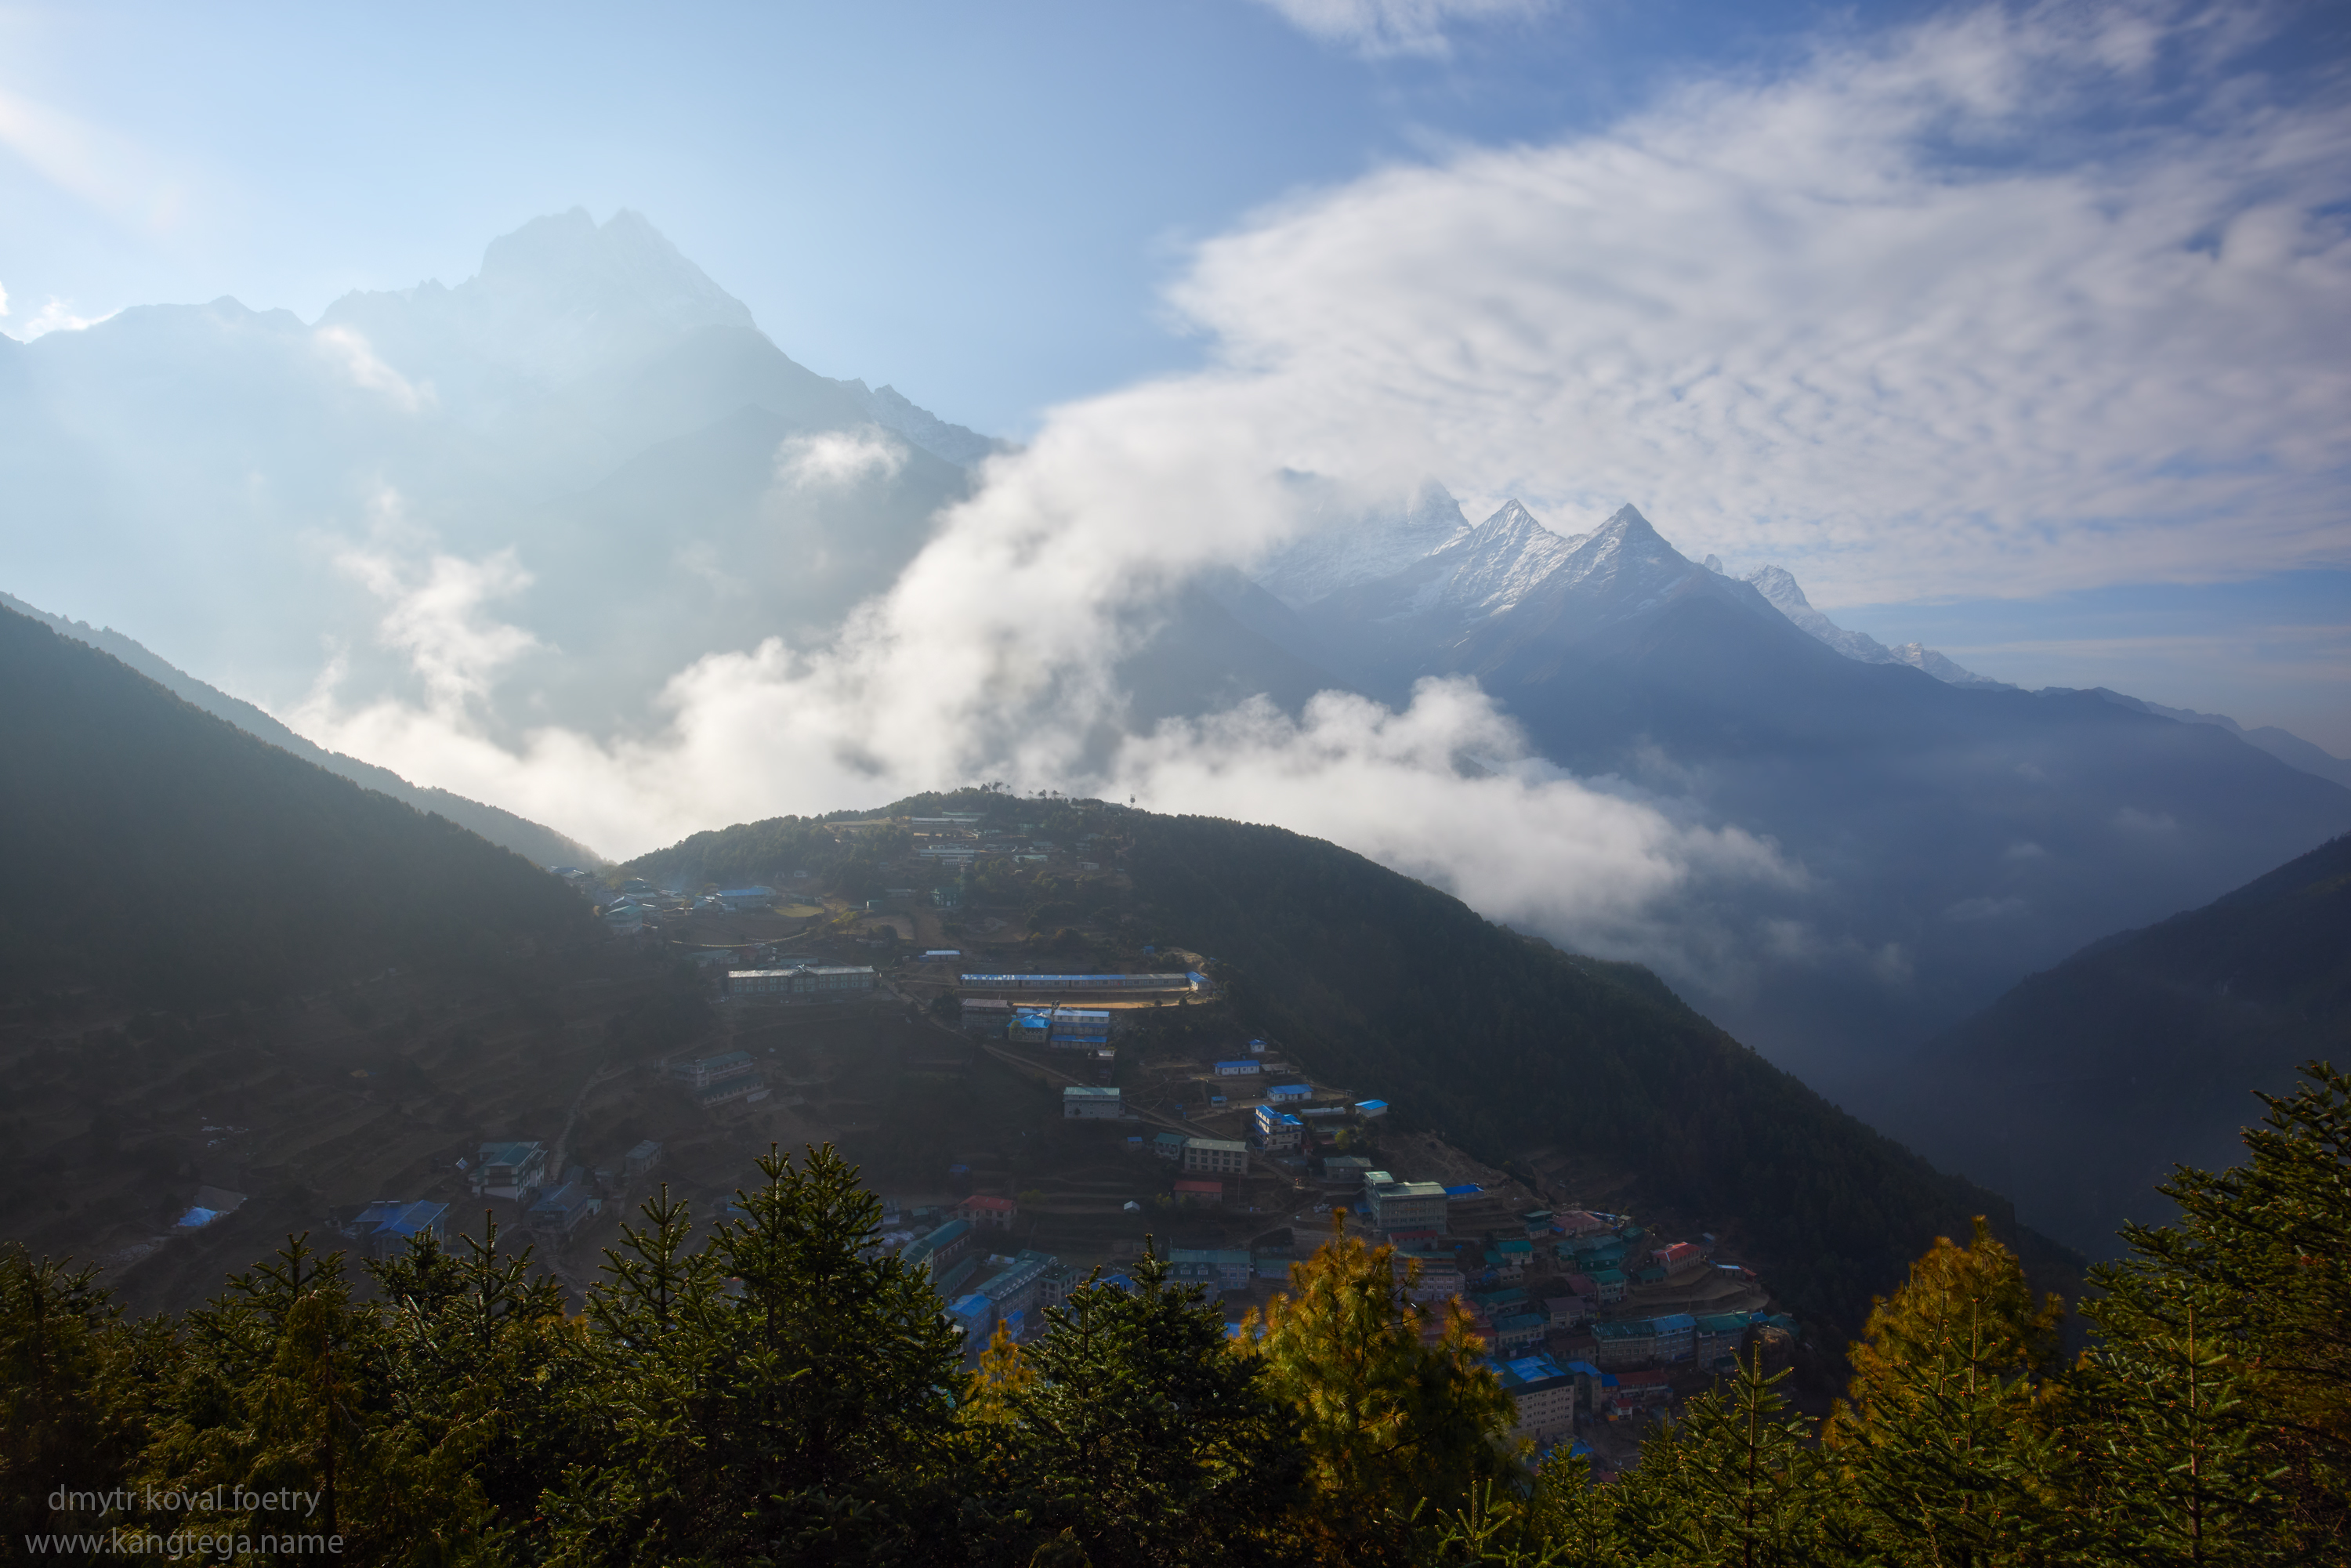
x: 1228, y: 1158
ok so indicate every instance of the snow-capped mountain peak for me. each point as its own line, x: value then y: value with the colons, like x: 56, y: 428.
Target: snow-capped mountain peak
x: 1778, y: 585
x: 1348, y: 544
x: 1486, y: 570
x: 893, y: 411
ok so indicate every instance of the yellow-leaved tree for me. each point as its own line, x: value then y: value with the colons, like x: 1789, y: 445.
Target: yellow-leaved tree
x: 1392, y: 1414
x: 1945, y: 1445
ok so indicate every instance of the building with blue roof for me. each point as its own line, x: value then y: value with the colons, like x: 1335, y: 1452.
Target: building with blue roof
x: 1014, y: 1286
x: 973, y: 1317
x: 1542, y: 1394
x: 385, y: 1229
x: 559, y: 1210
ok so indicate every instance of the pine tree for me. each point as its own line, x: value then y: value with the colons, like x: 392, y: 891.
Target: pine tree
x: 838, y: 1403
x: 1145, y: 1436
x: 486, y: 1373
x: 1734, y: 1482
x: 77, y: 1386
x: 2172, y: 1464
x: 1946, y: 1449
x: 2261, y: 1253
x: 775, y: 1396
x: 643, y: 1491
x: 285, y: 1386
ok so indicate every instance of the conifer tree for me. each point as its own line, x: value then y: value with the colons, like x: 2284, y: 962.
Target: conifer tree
x: 1945, y: 1448
x: 2173, y: 1468
x: 1144, y: 1438
x: 2262, y: 1252
x: 773, y: 1396
x: 77, y: 1387
x: 1387, y: 1420
x: 285, y: 1388
x: 1734, y: 1482
x: 643, y: 1491
x: 487, y: 1372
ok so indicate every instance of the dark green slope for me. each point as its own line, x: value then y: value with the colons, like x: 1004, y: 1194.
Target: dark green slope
x: 1502, y: 1044
x: 164, y: 856
x: 1499, y: 1043
x: 503, y: 828
x: 2081, y: 1088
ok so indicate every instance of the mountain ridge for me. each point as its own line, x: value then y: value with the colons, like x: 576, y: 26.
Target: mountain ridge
x: 531, y: 840
x: 2081, y: 1085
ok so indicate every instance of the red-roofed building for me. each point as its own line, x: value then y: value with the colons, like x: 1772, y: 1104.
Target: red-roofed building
x: 988, y: 1213
x: 1679, y: 1256
x: 1579, y: 1222
x: 1199, y: 1190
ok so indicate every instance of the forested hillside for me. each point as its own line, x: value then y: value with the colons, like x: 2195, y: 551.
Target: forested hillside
x: 2081, y: 1088
x: 167, y: 858
x: 526, y: 838
x: 1501, y: 1043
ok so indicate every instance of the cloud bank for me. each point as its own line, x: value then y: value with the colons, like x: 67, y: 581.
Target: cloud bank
x: 1862, y: 320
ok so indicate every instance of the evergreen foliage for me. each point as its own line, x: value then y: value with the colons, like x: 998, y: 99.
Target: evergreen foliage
x: 776, y: 1393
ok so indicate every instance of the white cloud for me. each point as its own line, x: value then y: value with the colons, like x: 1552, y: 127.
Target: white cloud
x: 837, y: 460
x: 1517, y: 839
x: 436, y: 616
x: 1858, y: 319
x: 1778, y: 316
x: 356, y: 359
x: 1377, y: 29
x: 56, y: 316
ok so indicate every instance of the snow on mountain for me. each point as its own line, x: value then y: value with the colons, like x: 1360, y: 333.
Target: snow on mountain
x: 891, y: 409
x: 1348, y: 545
x: 1490, y: 568
x: 1777, y: 585
x: 1471, y: 578
x: 1619, y: 570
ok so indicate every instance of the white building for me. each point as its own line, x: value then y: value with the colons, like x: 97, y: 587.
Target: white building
x: 1079, y: 1103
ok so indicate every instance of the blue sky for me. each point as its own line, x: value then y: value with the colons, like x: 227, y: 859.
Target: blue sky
x: 979, y: 204
x: 1002, y: 209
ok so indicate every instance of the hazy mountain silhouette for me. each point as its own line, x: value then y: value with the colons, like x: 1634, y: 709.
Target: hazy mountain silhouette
x: 2080, y: 1089
x: 526, y: 838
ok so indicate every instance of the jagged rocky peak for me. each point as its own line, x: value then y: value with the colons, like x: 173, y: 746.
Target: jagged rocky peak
x: 892, y: 410
x: 1779, y: 586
